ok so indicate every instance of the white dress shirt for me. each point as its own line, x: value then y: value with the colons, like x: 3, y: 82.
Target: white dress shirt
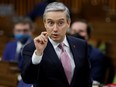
x: 19, y: 46
x: 37, y: 59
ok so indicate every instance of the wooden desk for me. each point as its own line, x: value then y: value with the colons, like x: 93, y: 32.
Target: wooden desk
x: 8, y: 74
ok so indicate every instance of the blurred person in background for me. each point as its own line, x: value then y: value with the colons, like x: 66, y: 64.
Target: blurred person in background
x: 39, y: 9
x: 22, y: 30
x: 81, y: 29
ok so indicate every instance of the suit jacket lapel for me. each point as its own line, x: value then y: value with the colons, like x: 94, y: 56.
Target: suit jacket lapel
x: 75, y: 52
x: 54, y: 59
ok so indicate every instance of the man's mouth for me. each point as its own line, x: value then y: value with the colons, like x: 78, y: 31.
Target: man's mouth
x: 55, y: 35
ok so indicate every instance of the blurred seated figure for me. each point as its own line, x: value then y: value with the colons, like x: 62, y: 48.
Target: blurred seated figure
x: 81, y: 29
x: 110, y: 72
x: 39, y: 9
x: 22, y: 30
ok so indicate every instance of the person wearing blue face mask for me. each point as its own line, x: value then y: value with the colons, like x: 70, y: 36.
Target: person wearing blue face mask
x: 22, y: 30
x: 22, y: 37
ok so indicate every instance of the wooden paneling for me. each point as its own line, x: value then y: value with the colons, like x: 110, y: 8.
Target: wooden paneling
x: 103, y: 30
x: 3, y: 41
x: 5, y: 32
x: 21, y: 7
x: 8, y: 74
x: 39, y: 26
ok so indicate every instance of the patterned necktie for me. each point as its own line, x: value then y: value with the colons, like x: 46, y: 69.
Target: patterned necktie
x: 66, y: 63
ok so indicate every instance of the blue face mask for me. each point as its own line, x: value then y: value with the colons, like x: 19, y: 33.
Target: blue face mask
x: 22, y: 37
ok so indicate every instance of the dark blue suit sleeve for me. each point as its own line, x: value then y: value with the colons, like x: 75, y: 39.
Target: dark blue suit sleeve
x: 98, y: 69
x: 29, y: 71
x: 5, y: 54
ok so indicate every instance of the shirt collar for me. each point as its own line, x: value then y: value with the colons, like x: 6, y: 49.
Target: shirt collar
x: 55, y: 44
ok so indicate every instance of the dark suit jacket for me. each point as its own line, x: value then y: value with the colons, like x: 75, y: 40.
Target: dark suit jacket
x: 10, y: 51
x: 97, y: 60
x: 50, y: 73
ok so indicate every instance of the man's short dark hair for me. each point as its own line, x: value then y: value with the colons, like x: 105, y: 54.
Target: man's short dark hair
x: 89, y: 29
x: 23, y: 20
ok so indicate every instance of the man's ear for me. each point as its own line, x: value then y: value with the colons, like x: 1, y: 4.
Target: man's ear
x: 69, y: 22
x: 44, y: 23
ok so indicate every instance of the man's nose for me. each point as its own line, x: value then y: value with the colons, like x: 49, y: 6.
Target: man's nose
x: 55, y: 28
x: 21, y: 32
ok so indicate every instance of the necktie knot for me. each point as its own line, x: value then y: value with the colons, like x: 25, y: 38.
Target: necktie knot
x: 61, y: 47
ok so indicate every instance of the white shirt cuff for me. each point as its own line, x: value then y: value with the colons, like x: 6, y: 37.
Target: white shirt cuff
x: 36, y: 59
x: 95, y: 84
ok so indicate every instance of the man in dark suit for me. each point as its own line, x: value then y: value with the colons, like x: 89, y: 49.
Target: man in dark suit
x: 22, y: 30
x: 54, y: 59
x: 80, y: 27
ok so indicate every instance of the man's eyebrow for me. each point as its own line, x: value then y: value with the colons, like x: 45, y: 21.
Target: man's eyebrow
x: 49, y: 19
x: 58, y: 19
x: 61, y: 19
